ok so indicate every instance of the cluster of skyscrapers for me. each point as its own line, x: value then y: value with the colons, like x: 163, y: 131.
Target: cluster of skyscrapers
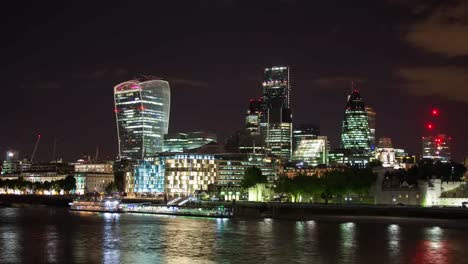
x: 184, y: 162
x: 152, y: 160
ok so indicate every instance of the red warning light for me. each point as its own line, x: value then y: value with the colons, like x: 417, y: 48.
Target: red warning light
x: 435, y: 112
x: 430, y: 126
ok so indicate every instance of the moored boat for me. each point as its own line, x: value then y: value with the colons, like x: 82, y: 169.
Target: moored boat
x: 105, y: 205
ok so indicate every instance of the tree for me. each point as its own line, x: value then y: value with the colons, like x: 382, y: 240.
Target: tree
x: 111, y: 188
x: 47, y: 185
x: 252, y: 177
x: 69, y: 184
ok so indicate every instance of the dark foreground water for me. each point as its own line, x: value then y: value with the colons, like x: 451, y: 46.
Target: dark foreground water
x: 54, y: 235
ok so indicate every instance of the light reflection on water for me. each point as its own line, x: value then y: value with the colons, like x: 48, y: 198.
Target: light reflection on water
x: 393, y: 239
x: 56, y: 235
x: 348, y: 242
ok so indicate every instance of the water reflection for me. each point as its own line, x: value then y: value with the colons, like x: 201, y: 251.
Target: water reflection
x: 433, y: 248
x: 10, y: 246
x: 111, y: 238
x: 51, y: 245
x: 32, y: 236
x: 347, y: 242
x: 393, y: 239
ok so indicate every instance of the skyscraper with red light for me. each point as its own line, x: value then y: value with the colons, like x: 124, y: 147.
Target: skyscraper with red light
x: 254, y: 116
x: 142, y: 115
x: 436, y: 145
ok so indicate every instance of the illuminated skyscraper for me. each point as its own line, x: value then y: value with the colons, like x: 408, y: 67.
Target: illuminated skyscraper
x: 254, y: 116
x: 142, y: 114
x: 356, y: 135
x: 276, y: 86
x: 437, y: 147
x: 371, y: 117
x: 276, y: 119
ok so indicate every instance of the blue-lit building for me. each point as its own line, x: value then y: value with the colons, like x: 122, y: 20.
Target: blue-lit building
x: 149, y: 176
x: 142, y: 114
x: 173, y: 174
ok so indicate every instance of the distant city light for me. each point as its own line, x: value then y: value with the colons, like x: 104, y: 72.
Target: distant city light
x: 11, y: 154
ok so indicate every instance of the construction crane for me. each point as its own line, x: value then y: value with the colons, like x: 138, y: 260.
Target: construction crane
x: 35, y: 147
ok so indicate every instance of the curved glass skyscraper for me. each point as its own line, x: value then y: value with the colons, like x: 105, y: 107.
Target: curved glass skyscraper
x: 142, y: 114
x: 356, y: 134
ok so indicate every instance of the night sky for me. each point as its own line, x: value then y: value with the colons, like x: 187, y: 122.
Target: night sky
x: 60, y: 61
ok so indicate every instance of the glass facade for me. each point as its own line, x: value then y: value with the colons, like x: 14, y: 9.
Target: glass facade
x: 149, y: 177
x: 312, y: 151
x: 304, y: 132
x: 276, y: 118
x: 179, y: 142
x: 279, y: 139
x: 276, y: 85
x: 371, y: 115
x: 356, y: 134
x: 142, y: 115
x: 231, y: 167
x: 254, y: 116
x: 185, y: 174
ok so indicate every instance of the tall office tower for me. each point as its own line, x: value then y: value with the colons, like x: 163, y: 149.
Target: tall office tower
x: 437, y: 147
x: 276, y: 85
x: 356, y: 135
x: 371, y: 117
x: 277, y: 119
x: 142, y: 112
x: 304, y: 131
x: 313, y: 151
x: 254, y: 116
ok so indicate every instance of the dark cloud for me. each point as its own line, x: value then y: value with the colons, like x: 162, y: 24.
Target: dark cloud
x: 445, y: 81
x: 444, y: 31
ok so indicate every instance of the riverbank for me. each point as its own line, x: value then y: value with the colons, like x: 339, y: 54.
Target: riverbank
x: 311, y: 211
x: 274, y: 210
x: 28, y: 200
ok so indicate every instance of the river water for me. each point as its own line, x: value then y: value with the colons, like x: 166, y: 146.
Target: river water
x: 55, y: 235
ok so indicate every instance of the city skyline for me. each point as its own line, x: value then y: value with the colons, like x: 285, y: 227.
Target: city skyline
x: 55, y: 93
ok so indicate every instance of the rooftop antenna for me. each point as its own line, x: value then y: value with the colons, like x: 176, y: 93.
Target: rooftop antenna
x: 35, y: 147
